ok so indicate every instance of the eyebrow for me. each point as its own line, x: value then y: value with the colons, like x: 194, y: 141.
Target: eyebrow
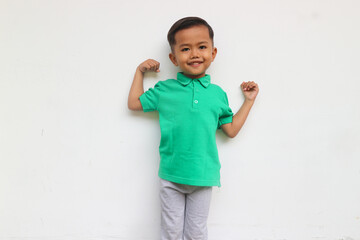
x: 187, y: 44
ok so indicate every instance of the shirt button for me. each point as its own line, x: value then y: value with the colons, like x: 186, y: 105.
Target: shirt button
x: 196, y: 101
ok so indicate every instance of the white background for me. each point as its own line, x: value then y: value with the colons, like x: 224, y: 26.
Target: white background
x: 75, y: 163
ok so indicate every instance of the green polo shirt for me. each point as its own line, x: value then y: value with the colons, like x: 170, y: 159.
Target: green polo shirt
x: 190, y: 111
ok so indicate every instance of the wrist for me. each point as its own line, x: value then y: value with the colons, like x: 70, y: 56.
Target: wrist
x: 249, y: 101
x: 138, y: 69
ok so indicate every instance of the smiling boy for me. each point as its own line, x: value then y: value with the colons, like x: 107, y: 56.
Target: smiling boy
x: 193, y: 52
x: 191, y: 109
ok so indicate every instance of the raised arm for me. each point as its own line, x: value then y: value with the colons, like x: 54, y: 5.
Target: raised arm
x: 250, y: 91
x: 137, y: 87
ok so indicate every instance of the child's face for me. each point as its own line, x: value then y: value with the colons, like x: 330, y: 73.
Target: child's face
x: 193, y: 51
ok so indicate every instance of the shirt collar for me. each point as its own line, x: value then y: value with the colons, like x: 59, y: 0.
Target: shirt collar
x: 184, y: 80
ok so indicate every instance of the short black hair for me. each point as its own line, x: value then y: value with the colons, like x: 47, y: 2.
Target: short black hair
x: 185, y: 23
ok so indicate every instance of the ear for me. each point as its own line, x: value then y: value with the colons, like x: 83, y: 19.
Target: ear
x: 214, y: 52
x: 173, y: 59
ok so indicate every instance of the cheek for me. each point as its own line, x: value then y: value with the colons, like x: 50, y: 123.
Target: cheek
x: 182, y: 59
x: 207, y: 54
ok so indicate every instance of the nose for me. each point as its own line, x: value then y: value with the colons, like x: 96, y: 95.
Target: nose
x: 194, y: 53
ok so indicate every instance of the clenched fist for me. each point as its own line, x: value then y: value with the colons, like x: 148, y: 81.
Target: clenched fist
x: 250, y: 90
x: 149, y: 65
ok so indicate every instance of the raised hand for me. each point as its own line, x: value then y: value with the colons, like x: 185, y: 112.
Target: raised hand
x: 250, y: 90
x: 149, y: 65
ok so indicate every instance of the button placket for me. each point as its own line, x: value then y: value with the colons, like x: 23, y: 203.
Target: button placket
x: 195, y: 95
x: 195, y: 91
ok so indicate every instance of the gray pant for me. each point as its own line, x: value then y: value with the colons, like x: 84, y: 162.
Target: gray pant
x: 184, y: 211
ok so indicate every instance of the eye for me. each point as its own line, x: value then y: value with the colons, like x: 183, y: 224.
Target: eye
x: 202, y: 47
x: 185, y: 49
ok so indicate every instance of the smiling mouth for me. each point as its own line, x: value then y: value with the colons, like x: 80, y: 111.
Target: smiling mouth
x: 195, y: 64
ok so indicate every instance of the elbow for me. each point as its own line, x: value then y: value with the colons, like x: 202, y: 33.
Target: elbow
x: 131, y: 106
x: 134, y: 106
x: 232, y: 135
x: 229, y: 130
x: 234, y: 131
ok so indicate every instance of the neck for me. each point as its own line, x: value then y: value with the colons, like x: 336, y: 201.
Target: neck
x: 195, y: 76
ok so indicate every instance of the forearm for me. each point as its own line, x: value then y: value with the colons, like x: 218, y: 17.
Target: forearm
x: 136, y: 90
x: 240, y: 117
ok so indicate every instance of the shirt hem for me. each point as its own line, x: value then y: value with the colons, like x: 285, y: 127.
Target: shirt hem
x: 193, y: 182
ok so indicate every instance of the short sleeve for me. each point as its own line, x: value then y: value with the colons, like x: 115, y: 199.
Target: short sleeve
x: 150, y: 99
x: 226, y: 115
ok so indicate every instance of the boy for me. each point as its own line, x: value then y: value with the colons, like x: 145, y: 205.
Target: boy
x: 190, y: 110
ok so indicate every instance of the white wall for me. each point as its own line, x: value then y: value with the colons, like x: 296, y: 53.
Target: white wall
x: 76, y: 164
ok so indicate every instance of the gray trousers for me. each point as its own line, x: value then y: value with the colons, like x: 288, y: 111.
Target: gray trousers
x: 184, y: 211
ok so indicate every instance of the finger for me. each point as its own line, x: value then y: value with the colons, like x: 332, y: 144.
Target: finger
x: 157, y: 65
x: 147, y: 67
x: 144, y: 68
x: 246, y: 86
x: 251, y: 85
x: 148, y: 64
x: 243, y: 84
x: 152, y: 66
